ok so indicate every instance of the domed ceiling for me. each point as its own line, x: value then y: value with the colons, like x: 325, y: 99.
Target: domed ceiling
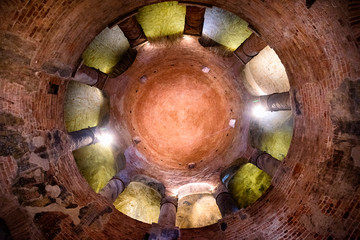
x: 180, y: 111
x: 314, y: 194
x: 180, y: 114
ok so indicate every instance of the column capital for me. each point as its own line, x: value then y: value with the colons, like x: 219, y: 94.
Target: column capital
x: 169, y: 199
x: 250, y: 48
x: 113, y: 188
x: 83, y: 137
x: 220, y: 188
x: 265, y: 162
x: 224, y: 200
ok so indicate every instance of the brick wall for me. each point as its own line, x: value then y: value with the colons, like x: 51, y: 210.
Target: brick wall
x: 315, y: 192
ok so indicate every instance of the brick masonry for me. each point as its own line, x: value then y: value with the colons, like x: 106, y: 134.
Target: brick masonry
x: 315, y: 193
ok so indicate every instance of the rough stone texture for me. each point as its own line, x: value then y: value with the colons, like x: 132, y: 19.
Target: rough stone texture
x: 84, y: 107
x: 265, y: 74
x: 106, y: 50
x: 162, y: 20
x: 139, y: 201
x: 225, y: 28
x: 197, y: 210
x: 314, y: 196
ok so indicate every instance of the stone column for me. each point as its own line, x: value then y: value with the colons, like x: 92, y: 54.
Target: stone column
x: 194, y: 20
x: 83, y: 137
x: 132, y: 31
x: 168, y: 209
x: 114, y: 187
x: 250, y: 48
x: 224, y: 200
x: 276, y: 102
x: 90, y: 76
x: 265, y: 162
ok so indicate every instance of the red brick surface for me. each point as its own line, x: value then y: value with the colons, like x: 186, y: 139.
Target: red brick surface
x: 315, y: 193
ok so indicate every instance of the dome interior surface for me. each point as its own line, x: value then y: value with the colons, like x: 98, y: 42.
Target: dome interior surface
x: 314, y: 193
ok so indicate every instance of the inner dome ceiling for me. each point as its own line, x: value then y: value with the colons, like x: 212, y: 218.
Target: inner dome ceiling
x: 180, y: 114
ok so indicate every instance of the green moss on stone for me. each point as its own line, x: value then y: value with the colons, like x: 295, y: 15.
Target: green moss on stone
x: 162, y: 19
x: 106, y: 50
x: 140, y: 202
x: 248, y: 184
x: 273, y: 133
x: 97, y: 165
x: 84, y: 106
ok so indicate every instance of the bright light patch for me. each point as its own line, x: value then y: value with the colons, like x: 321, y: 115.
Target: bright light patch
x: 258, y: 111
x: 232, y: 123
x: 205, y: 69
x: 105, y: 138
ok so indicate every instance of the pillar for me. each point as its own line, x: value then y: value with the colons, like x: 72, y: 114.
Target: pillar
x: 114, y: 187
x: 224, y: 200
x: 83, y: 137
x: 132, y: 31
x: 90, y: 76
x: 168, y: 210
x: 165, y: 229
x: 194, y: 20
x: 250, y: 48
x: 275, y: 102
x: 265, y: 162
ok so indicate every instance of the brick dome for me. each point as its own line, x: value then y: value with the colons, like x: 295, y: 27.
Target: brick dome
x: 315, y: 192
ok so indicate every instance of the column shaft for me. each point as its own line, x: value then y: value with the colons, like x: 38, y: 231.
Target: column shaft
x: 194, y: 20
x: 168, y: 209
x: 167, y: 215
x: 226, y: 203
x: 278, y: 101
x: 83, y: 137
x: 112, y: 190
x: 250, y: 48
x: 224, y: 200
x: 265, y: 162
x: 132, y: 31
x: 89, y: 76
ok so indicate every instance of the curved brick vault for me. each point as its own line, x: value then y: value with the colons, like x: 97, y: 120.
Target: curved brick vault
x: 180, y: 114
x: 315, y: 193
